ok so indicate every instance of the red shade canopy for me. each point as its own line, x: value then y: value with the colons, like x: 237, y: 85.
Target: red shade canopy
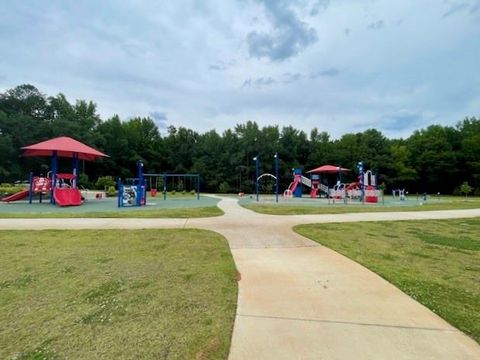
x: 65, y: 147
x: 327, y: 169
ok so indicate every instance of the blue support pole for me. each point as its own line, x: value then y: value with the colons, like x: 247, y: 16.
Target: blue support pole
x: 30, y: 189
x: 362, y: 185
x: 164, y: 186
x: 276, y: 176
x: 75, y: 170
x: 198, y: 187
x: 54, y: 175
x: 256, y: 158
x: 139, y: 183
x: 120, y: 193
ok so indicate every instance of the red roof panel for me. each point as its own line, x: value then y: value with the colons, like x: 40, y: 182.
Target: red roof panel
x: 65, y: 147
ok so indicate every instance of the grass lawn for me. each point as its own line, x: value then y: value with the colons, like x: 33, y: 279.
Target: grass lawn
x: 437, y: 262
x: 206, y: 211
x: 147, y: 294
x: 447, y: 203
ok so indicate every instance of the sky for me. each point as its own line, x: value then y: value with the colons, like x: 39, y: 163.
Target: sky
x: 338, y: 65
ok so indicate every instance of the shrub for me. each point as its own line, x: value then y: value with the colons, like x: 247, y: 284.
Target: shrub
x: 7, y: 189
x: 224, y: 187
x: 84, y: 181
x: 111, y: 192
x: 104, y: 182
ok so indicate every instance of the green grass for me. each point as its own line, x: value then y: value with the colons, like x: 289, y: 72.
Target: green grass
x: 447, y: 203
x: 207, y: 211
x: 150, y: 294
x: 435, y: 262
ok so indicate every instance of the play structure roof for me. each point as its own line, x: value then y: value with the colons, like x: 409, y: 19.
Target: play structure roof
x: 327, y: 169
x: 65, y: 147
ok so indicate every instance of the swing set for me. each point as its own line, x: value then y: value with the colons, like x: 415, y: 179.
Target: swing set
x: 156, y: 179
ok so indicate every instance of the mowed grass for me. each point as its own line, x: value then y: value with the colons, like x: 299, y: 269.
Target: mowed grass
x: 447, y: 203
x: 437, y: 262
x: 184, y: 213
x: 146, y: 294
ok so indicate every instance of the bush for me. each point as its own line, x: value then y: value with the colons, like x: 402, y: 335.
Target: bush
x: 192, y: 192
x: 84, y: 181
x: 173, y: 192
x: 224, y: 188
x: 104, y: 182
x: 457, y: 191
x: 111, y: 192
x: 7, y: 189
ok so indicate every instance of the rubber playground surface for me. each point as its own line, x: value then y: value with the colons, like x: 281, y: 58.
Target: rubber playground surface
x: 107, y: 205
x: 387, y: 201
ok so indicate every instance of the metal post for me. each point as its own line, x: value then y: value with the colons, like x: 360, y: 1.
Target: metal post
x: 54, y: 176
x: 276, y: 175
x: 198, y: 187
x: 362, y: 183
x: 120, y: 193
x: 140, y: 183
x: 164, y: 186
x: 75, y: 181
x: 256, y: 158
x: 30, y: 189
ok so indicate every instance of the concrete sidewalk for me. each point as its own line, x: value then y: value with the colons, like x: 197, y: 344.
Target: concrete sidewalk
x: 300, y: 300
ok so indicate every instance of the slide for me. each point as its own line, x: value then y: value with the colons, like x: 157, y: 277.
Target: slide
x: 67, y: 197
x: 352, y: 186
x: 293, y: 185
x: 314, y: 193
x: 17, y: 196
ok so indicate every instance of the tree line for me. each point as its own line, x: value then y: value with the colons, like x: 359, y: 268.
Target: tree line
x: 434, y: 159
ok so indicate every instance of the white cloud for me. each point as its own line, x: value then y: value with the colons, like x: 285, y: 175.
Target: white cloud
x: 321, y: 65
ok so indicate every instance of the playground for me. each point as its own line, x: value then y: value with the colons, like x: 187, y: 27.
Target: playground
x: 61, y: 194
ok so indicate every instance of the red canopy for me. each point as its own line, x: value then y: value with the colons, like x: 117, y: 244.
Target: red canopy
x: 327, y: 169
x: 65, y: 147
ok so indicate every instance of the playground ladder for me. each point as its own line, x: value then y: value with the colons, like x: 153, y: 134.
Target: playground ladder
x: 306, y: 181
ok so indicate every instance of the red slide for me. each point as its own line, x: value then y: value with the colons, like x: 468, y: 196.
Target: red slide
x: 67, y: 197
x: 352, y: 186
x: 293, y: 185
x: 17, y: 196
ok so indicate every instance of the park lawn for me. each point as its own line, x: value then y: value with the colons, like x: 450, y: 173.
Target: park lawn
x: 450, y: 203
x: 143, y: 294
x: 437, y: 262
x: 184, y: 213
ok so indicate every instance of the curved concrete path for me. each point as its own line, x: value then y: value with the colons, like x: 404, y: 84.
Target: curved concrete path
x: 300, y: 300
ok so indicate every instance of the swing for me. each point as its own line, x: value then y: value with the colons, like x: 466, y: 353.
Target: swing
x: 153, y: 190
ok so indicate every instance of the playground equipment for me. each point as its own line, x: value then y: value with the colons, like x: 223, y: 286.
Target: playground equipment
x: 37, y: 185
x: 314, y: 182
x: 154, y: 179
x: 258, y: 177
x: 133, y: 194
x: 364, y: 189
x: 398, y: 194
x: 367, y: 180
x: 62, y: 188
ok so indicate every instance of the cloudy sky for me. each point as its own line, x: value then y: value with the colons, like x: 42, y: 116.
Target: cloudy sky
x: 339, y: 65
